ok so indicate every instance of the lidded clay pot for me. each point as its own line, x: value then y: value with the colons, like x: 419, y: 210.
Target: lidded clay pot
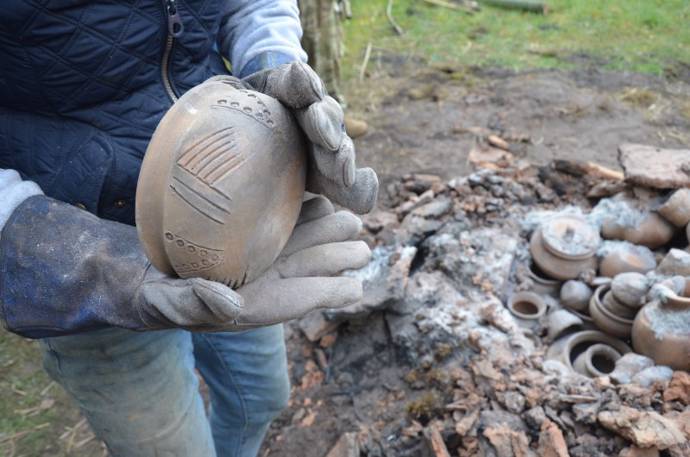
x: 540, y: 284
x: 565, y: 246
x: 221, y: 185
x: 662, y: 329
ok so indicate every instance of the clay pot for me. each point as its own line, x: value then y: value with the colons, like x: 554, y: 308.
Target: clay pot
x: 605, y: 319
x: 617, y: 308
x: 565, y: 247
x: 527, y: 305
x: 662, y: 329
x: 541, y: 284
x: 654, y: 231
x: 627, y: 258
x: 575, y: 295
x: 630, y: 289
x: 677, y: 208
x: 597, y: 360
x: 568, y: 348
x: 559, y: 321
x: 221, y: 185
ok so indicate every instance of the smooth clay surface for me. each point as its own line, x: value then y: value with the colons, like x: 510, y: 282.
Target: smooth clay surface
x: 221, y: 185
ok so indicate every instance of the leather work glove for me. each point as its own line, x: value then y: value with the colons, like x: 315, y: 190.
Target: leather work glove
x: 332, y: 169
x: 65, y: 271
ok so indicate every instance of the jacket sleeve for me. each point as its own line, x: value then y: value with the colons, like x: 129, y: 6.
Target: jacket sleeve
x: 259, y: 34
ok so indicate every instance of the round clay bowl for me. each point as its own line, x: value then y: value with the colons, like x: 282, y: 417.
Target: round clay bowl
x: 597, y: 360
x: 556, y: 266
x: 541, y: 284
x: 527, y: 305
x: 613, y: 306
x: 576, y: 295
x: 662, y: 331
x: 654, y: 231
x: 568, y: 348
x: 606, y: 321
x: 627, y: 259
x: 677, y: 208
x: 570, y: 238
x: 221, y: 184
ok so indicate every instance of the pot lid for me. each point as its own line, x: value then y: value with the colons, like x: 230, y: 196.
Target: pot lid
x: 570, y: 237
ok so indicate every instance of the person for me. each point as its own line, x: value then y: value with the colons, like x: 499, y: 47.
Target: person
x: 84, y: 85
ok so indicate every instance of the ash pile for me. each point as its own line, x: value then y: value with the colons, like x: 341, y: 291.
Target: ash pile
x: 517, y: 311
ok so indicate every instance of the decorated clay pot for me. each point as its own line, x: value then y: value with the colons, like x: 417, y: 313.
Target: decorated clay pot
x: 564, y: 247
x: 605, y: 320
x: 627, y: 258
x: 221, y: 185
x: 575, y: 295
x: 598, y: 360
x: 569, y: 347
x: 677, y: 208
x: 527, y: 305
x: 662, y: 329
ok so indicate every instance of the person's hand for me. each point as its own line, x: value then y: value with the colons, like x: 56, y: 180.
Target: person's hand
x: 305, y: 275
x: 332, y: 154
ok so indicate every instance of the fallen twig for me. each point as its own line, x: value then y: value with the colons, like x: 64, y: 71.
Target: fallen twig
x: 466, y: 7
x: 578, y: 168
x: 533, y: 6
x: 389, y: 15
x: 365, y: 62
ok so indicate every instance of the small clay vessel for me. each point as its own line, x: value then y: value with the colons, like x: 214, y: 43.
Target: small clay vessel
x: 612, y: 305
x: 575, y: 295
x: 598, y: 360
x: 630, y: 289
x: 677, y: 208
x: 564, y: 247
x: 662, y: 329
x: 569, y: 347
x: 627, y: 258
x: 540, y: 283
x: 605, y: 320
x: 221, y: 185
x: 654, y: 231
x: 527, y: 305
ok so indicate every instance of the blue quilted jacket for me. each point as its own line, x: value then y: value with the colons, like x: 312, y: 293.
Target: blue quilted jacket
x: 83, y: 84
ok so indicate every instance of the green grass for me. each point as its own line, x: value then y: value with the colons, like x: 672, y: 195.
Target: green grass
x: 637, y: 35
x: 33, y: 413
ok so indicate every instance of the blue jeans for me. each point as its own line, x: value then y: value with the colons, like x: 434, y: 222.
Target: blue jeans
x: 140, y: 394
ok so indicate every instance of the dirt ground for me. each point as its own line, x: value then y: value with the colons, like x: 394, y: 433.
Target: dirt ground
x: 429, y: 123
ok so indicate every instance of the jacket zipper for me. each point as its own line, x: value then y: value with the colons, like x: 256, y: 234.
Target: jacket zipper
x: 175, y: 29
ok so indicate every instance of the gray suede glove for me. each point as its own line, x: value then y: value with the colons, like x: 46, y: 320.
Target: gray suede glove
x: 332, y: 166
x: 64, y: 271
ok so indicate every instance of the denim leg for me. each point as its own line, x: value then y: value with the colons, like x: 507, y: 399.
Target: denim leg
x: 138, y: 391
x: 248, y: 381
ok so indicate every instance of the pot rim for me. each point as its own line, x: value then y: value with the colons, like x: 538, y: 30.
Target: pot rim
x: 558, y: 253
x: 599, y: 304
x: 530, y: 297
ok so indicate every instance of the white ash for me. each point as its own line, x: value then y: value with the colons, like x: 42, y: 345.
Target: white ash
x: 619, y: 211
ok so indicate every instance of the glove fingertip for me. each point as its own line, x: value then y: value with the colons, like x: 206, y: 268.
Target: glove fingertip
x: 212, y: 292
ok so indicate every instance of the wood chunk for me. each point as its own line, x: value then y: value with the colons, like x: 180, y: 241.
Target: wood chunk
x: 346, y: 446
x: 642, y: 428
x: 551, y: 441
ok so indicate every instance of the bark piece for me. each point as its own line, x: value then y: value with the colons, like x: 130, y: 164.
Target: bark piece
x: 679, y: 388
x: 655, y: 167
x: 346, y: 446
x: 643, y: 428
x: 551, y: 441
